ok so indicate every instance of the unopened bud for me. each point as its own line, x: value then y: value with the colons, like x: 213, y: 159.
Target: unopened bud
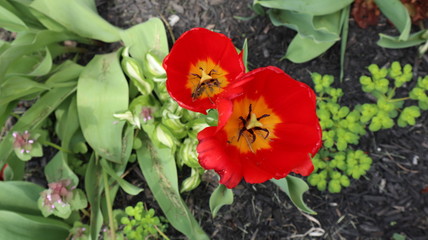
x: 191, y: 182
x: 129, y: 117
x: 134, y: 71
x: 154, y: 65
x: 187, y: 154
x: 164, y: 136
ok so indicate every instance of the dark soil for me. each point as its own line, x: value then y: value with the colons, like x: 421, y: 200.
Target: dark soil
x: 389, y: 199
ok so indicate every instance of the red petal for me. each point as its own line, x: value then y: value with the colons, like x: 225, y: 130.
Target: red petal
x: 296, y: 138
x: 195, y: 45
x: 213, y: 154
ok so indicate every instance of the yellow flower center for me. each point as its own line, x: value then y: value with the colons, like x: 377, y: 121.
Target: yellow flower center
x: 251, y: 127
x: 206, y: 79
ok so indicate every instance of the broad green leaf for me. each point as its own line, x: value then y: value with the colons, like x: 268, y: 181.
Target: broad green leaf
x: 294, y: 188
x: 20, y: 196
x: 10, y: 21
x: 313, y: 7
x: 57, y: 169
x: 93, y: 189
x: 33, y: 117
x: 303, y: 49
x: 28, y: 227
x: 78, y: 17
x: 414, y: 39
x: 220, y: 197
x: 126, y: 186
x: 398, y: 14
x: 102, y: 91
x: 303, y: 23
x: 146, y: 37
x: 158, y: 165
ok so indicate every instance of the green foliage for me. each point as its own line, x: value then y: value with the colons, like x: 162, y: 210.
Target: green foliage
x: 140, y: 223
x: 342, y: 126
x: 220, y: 197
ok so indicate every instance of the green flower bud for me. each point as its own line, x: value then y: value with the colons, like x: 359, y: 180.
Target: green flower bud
x: 164, y: 136
x: 176, y: 127
x: 134, y: 71
x: 187, y: 154
x: 191, y: 182
x: 129, y: 117
x: 154, y: 65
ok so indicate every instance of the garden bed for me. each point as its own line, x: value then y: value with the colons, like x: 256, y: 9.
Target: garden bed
x: 389, y: 199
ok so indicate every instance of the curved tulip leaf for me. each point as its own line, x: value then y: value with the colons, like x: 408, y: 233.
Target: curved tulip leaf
x: 78, y: 17
x: 313, y: 7
x: 294, y: 188
x: 159, y: 170
x: 10, y: 21
x: 414, y: 39
x: 303, y: 23
x: 147, y: 37
x: 220, y: 197
x: 102, y: 91
x: 305, y: 49
x: 302, y: 49
x: 398, y: 14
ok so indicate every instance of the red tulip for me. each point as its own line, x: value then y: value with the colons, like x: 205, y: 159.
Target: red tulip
x: 267, y: 128
x: 199, y: 67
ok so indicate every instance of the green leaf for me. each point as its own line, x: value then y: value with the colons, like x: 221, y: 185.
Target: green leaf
x: 126, y: 186
x: 313, y: 7
x: 79, y: 200
x: 19, y: 196
x: 397, y: 13
x: 294, y: 188
x: 220, y: 197
x: 245, y: 54
x: 78, y: 17
x: 303, y: 49
x: 28, y: 227
x: 158, y: 167
x: 414, y: 39
x: 57, y: 169
x: 146, y: 37
x: 10, y: 21
x: 304, y: 24
x: 102, y: 91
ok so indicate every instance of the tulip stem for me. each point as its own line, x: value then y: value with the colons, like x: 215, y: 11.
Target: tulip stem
x: 109, y: 206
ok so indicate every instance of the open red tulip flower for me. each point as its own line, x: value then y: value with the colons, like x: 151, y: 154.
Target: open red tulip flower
x: 201, y: 64
x: 267, y: 128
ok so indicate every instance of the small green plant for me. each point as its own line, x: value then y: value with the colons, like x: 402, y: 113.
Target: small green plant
x: 343, y: 127
x: 141, y: 223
